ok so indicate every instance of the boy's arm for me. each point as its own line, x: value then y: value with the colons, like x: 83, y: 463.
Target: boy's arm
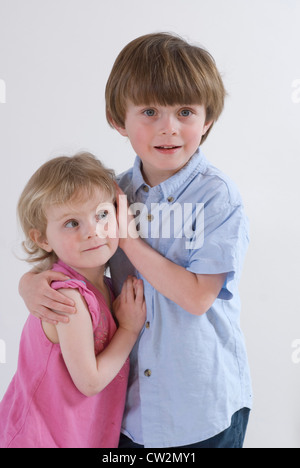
x: 194, y: 293
x: 40, y: 298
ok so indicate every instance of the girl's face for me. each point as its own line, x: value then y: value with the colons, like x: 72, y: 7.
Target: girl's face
x: 84, y: 235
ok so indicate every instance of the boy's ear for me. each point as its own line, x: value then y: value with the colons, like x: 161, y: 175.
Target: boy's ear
x: 207, y: 127
x: 40, y: 240
x: 120, y: 129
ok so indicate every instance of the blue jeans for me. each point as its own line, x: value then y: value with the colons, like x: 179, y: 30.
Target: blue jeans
x: 233, y: 437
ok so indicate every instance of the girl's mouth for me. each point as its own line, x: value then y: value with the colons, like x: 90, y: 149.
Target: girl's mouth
x: 94, y: 248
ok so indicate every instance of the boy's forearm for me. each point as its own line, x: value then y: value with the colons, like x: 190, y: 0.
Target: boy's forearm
x: 194, y: 293
x: 25, y: 281
x: 41, y: 300
x: 27, y: 277
x: 45, y: 265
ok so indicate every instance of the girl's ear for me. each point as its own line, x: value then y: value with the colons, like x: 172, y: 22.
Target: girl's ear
x: 40, y: 240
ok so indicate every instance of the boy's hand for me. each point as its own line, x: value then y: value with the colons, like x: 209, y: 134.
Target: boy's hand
x: 41, y: 299
x: 130, y: 307
x: 126, y: 220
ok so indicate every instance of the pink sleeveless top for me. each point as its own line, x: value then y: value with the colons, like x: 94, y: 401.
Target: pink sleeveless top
x: 42, y: 408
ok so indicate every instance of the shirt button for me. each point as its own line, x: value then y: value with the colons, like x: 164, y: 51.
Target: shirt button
x: 146, y: 188
x: 147, y: 325
x: 170, y: 199
x: 147, y: 373
x: 150, y: 218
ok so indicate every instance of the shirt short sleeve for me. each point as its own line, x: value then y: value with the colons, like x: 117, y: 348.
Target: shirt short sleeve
x: 224, y: 244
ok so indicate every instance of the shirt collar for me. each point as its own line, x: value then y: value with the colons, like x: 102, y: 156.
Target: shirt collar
x: 170, y: 186
x: 137, y: 176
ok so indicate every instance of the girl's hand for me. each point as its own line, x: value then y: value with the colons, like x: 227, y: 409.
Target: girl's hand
x: 130, y: 307
x: 41, y: 299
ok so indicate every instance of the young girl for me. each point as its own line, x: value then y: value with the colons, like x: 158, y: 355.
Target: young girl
x: 70, y: 386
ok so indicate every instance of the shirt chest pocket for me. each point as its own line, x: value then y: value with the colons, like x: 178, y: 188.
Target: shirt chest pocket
x: 169, y: 229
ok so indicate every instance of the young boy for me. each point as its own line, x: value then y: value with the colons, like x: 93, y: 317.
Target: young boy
x: 190, y: 382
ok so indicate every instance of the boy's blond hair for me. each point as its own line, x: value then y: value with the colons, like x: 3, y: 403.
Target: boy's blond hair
x: 163, y: 69
x: 61, y: 180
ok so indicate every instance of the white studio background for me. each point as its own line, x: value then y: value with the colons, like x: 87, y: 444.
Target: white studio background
x: 55, y: 57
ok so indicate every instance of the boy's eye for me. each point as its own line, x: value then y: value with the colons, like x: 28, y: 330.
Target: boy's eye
x: 72, y: 224
x: 149, y: 112
x: 185, y: 113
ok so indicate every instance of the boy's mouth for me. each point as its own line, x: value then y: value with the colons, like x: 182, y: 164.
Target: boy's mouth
x: 167, y: 149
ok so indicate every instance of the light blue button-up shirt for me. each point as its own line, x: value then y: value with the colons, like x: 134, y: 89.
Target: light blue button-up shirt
x: 189, y: 374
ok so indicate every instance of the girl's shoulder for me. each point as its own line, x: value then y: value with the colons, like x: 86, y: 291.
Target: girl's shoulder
x: 80, y: 290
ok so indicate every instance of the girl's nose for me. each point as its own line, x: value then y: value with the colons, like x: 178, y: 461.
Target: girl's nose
x: 91, y: 228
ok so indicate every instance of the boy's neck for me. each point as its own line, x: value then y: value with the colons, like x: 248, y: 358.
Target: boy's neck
x: 154, y: 177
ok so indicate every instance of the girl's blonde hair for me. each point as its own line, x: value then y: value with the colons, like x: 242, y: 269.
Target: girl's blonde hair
x: 59, y: 181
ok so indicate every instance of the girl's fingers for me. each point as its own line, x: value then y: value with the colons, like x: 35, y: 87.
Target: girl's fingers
x: 129, y: 289
x: 139, y: 292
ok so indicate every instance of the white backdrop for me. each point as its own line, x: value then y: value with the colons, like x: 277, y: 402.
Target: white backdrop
x: 55, y: 57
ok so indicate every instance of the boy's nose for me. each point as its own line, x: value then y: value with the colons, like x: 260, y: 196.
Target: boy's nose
x: 169, y: 125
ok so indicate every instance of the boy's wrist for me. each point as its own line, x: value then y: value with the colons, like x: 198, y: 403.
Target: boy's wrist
x: 129, y: 242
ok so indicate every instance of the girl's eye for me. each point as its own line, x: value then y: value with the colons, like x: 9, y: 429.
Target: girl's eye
x: 102, y: 215
x: 72, y: 224
x: 149, y: 112
x: 185, y: 113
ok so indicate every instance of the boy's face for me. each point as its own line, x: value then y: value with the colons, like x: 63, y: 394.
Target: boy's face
x: 164, y: 137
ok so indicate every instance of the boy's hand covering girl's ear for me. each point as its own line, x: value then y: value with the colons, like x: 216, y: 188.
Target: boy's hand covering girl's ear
x: 126, y: 219
x: 41, y: 299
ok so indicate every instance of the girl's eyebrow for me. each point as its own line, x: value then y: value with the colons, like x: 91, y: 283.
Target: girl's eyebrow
x: 78, y: 213
x: 67, y: 215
